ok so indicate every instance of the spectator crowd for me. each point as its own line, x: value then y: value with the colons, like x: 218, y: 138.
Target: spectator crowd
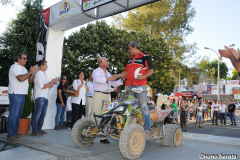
x: 216, y: 111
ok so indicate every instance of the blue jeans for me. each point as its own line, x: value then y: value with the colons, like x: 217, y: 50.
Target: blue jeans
x: 203, y: 113
x: 215, y: 115
x: 223, y: 117
x: 15, y: 111
x: 60, y: 112
x: 191, y: 115
x: 40, y: 109
x: 142, y: 99
x: 232, y: 117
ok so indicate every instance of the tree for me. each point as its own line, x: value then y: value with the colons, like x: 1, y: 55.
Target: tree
x: 234, y: 74
x: 209, y: 69
x: 83, y: 48
x: 223, y: 69
x: 22, y: 31
x: 6, y: 2
x: 168, y: 19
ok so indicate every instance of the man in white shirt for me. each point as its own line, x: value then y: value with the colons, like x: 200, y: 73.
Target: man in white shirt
x: 89, y: 98
x: 41, y: 88
x: 199, y: 115
x: 204, y: 107
x: 223, y: 113
x: 19, y: 79
x: 102, y: 80
x: 216, y: 108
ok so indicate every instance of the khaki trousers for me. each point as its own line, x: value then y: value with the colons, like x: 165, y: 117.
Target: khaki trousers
x: 98, y: 97
x: 89, y: 106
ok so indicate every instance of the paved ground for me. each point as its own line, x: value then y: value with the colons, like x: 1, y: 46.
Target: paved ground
x: 218, y: 130
x: 58, y: 145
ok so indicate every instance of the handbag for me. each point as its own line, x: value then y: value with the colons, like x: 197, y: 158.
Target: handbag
x: 71, y: 92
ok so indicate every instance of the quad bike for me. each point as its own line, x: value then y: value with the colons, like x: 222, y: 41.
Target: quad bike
x: 123, y: 121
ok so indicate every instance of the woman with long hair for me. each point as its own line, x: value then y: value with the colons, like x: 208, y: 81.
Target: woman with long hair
x: 61, y: 103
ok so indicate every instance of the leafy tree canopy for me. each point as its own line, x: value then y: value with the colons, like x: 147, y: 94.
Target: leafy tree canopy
x: 234, y: 75
x: 168, y: 19
x: 83, y: 48
x: 6, y: 2
x: 15, y: 38
x: 210, y: 68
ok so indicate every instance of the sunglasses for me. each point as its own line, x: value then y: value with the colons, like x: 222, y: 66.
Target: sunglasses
x: 64, y: 78
x: 24, y: 58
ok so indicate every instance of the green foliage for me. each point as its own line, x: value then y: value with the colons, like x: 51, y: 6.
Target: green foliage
x: 83, y: 48
x: 168, y: 19
x: 28, y: 106
x: 223, y: 68
x: 234, y: 75
x: 6, y: 2
x: 15, y: 38
x: 210, y: 68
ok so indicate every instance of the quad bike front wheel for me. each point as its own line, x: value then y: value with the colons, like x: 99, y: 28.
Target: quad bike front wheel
x: 173, y: 135
x: 132, y: 141
x: 81, y: 132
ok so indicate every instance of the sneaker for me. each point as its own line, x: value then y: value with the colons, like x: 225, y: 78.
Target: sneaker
x: 42, y: 132
x: 36, y: 134
x: 20, y: 135
x: 231, y: 124
x: 235, y: 124
x: 14, y: 138
x: 63, y: 127
x: 199, y: 126
x: 57, y: 128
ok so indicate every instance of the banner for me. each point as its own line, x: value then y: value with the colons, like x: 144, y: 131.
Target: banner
x: 90, y: 4
x: 43, y: 20
x: 202, y: 89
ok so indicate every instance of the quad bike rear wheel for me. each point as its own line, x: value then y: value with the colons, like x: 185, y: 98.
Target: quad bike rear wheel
x: 173, y: 135
x: 81, y: 132
x: 132, y: 141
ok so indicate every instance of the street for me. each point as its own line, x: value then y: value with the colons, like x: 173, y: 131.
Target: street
x: 217, y: 130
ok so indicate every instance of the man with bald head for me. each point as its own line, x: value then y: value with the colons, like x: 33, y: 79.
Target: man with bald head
x: 102, y: 80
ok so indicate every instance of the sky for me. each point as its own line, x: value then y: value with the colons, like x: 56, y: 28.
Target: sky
x: 216, y: 24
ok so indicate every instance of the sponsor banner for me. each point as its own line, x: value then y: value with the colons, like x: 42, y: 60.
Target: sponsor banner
x: 232, y: 81
x: 64, y: 10
x: 202, y: 89
x: 90, y: 4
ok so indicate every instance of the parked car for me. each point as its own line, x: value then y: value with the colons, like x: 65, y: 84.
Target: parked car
x: 190, y: 94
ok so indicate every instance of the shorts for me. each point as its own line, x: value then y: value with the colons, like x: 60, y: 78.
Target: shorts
x: 199, y: 118
x: 175, y: 115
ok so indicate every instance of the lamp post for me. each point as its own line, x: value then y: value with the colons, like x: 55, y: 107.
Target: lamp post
x: 219, y: 59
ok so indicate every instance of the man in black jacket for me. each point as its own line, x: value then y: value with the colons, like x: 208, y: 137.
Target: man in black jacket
x: 232, y: 111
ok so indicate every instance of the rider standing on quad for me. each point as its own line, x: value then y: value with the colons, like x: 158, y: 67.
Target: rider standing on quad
x: 143, y: 63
